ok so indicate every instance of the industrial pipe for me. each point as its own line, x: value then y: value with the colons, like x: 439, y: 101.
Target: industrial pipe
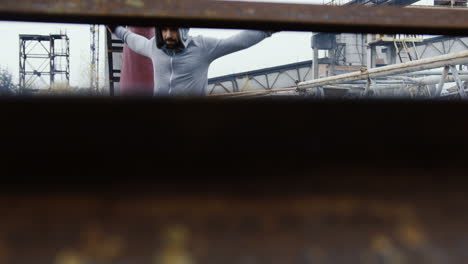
x: 418, y: 65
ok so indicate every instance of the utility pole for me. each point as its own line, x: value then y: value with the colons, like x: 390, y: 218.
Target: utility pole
x: 94, y: 78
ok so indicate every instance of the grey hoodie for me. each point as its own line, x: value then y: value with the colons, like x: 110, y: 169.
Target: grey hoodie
x: 184, y: 71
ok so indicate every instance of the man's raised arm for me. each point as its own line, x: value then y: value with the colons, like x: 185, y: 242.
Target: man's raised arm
x: 216, y: 48
x: 135, y: 42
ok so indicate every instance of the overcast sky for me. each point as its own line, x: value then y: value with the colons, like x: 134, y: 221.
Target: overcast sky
x: 281, y: 48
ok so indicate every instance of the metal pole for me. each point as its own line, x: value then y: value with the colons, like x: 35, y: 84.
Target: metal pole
x: 52, y: 61
x: 110, y: 62
x: 436, y: 79
x: 431, y: 72
x: 22, y: 75
x: 97, y: 57
x: 315, y: 65
x: 332, y: 55
x: 370, y: 53
x: 461, y: 89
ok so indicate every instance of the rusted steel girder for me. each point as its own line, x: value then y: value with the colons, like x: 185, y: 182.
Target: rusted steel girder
x: 217, y: 14
x: 375, y: 184
x: 328, y: 228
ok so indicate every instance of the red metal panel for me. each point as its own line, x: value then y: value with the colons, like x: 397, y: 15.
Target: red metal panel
x: 137, y: 71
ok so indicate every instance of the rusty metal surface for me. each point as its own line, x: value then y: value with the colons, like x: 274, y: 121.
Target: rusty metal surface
x: 131, y: 197
x: 214, y: 14
x: 335, y: 217
x: 182, y: 230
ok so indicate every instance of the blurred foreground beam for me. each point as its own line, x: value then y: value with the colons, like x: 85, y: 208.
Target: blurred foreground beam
x: 214, y: 14
x: 145, y: 229
x: 325, y: 182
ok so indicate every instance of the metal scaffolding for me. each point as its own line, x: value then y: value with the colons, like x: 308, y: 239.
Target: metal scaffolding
x: 40, y: 56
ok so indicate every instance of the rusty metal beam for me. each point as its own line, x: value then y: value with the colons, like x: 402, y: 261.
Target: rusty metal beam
x: 214, y: 14
x: 352, y: 212
x: 371, y: 185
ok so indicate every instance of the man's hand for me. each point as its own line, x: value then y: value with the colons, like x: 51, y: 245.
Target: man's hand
x: 111, y: 28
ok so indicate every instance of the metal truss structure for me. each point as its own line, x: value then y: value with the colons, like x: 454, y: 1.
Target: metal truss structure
x: 40, y: 56
x: 441, y: 45
x: 265, y: 79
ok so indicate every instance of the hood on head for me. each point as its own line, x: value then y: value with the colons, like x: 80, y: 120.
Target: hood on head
x: 183, y: 35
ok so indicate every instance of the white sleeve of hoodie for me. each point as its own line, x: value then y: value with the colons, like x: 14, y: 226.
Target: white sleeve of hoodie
x: 216, y: 48
x: 135, y: 42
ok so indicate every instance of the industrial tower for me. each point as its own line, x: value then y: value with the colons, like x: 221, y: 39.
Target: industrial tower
x: 43, y: 55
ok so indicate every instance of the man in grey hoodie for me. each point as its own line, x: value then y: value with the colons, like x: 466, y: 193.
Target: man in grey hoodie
x: 180, y: 61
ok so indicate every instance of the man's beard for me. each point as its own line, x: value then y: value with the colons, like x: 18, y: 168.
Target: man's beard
x: 174, y: 43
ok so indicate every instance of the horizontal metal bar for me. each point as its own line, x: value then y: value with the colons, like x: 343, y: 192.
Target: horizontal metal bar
x: 34, y: 73
x: 434, y: 79
x: 431, y: 72
x: 213, y: 14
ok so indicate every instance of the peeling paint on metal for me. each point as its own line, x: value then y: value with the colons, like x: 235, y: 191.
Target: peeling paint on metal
x: 135, y: 3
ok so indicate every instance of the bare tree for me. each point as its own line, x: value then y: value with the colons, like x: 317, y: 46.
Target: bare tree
x: 7, y: 87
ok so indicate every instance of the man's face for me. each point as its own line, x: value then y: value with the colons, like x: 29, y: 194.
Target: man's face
x: 170, y: 37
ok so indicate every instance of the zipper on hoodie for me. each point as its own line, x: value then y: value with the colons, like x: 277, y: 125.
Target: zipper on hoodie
x: 172, y: 73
